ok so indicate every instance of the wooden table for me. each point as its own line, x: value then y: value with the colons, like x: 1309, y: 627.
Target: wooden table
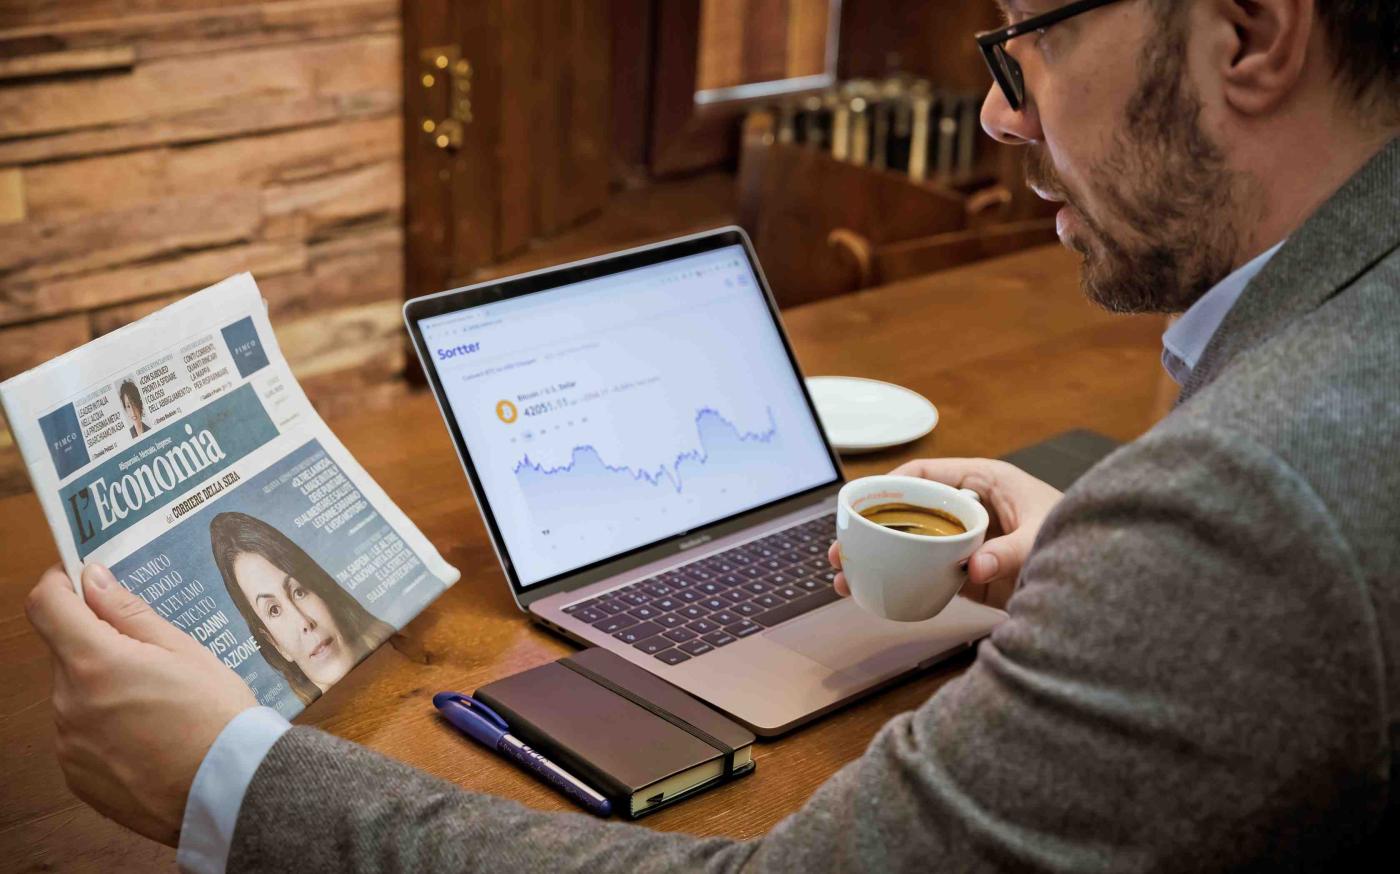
x: 1009, y: 351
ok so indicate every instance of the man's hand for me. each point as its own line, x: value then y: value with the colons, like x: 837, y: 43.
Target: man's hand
x: 137, y: 702
x: 1017, y: 502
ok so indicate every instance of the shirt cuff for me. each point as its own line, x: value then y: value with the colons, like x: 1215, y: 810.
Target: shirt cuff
x: 217, y: 792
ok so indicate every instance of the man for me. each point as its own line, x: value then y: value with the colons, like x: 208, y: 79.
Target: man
x: 1200, y: 667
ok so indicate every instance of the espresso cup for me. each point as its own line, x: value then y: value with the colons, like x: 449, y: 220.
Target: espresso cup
x: 897, y: 575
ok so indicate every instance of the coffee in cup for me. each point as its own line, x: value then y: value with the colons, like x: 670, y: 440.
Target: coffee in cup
x: 913, y: 519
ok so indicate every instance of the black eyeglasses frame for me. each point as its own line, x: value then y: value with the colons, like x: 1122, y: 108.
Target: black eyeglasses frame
x: 1006, y: 70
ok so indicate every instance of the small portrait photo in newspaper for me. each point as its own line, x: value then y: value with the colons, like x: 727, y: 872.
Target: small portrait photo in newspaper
x: 133, y: 407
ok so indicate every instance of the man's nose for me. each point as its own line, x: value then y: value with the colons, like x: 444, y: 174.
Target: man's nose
x: 1007, y: 125
x: 307, y: 623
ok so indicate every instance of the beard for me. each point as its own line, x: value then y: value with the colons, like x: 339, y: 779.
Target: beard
x: 1166, y: 185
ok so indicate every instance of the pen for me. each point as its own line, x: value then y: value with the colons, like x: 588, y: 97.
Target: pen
x: 484, y: 725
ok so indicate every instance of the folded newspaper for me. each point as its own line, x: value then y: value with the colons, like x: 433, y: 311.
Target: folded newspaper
x: 181, y: 452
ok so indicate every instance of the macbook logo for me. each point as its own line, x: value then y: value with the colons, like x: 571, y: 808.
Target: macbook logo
x: 694, y: 542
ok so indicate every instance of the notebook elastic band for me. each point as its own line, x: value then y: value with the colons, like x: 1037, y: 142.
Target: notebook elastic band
x: 693, y: 730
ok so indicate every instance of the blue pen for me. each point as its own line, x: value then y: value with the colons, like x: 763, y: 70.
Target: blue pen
x: 484, y: 725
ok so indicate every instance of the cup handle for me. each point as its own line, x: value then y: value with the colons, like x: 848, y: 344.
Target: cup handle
x: 971, y: 494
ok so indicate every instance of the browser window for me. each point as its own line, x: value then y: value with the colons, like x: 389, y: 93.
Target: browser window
x: 613, y: 413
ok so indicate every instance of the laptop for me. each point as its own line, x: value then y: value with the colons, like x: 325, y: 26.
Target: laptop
x: 655, y: 480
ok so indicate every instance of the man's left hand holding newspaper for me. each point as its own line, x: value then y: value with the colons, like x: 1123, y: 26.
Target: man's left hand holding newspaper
x: 137, y: 702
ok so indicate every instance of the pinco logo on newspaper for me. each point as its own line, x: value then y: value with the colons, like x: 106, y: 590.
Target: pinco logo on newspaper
x: 185, y: 455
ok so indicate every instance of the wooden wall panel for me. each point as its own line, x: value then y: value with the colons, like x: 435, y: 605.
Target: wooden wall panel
x: 148, y: 149
x: 90, y: 185
x: 932, y: 40
x: 524, y: 77
x: 473, y: 170
x: 747, y: 41
x: 21, y: 13
x: 580, y: 102
x: 122, y: 38
x: 809, y: 29
x: 765, y: 35
x: 632, y: 23
x: 12, y: 206
x: 721, y: 51
x: 189, y: 98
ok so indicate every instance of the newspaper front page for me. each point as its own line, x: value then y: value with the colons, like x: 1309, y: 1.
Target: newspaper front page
x: 181, y: 452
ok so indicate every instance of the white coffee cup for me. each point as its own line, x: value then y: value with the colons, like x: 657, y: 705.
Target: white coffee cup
x: 897, y: 575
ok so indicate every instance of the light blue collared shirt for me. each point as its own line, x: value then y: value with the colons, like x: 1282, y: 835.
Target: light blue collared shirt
x: 219, y: 785
x: 1186, y: 340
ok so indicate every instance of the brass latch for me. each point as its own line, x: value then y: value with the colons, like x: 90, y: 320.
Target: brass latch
x: 445, y: 64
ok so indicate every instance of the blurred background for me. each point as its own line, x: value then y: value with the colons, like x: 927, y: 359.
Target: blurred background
x: 352, y: 153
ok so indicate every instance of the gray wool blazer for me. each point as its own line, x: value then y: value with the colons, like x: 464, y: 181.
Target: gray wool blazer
x: 1200, y: 670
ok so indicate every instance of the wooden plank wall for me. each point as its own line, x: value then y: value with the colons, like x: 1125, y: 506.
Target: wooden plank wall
x: 151, y: 147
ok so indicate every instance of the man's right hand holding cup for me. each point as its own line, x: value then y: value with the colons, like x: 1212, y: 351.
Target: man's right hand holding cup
x: 1017, y: 502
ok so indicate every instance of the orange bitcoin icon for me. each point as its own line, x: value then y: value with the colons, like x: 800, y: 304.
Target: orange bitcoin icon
x: 505, y: 411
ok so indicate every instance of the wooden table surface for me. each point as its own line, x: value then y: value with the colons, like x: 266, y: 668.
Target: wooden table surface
x: 1008, y: 350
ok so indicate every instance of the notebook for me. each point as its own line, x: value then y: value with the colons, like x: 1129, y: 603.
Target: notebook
x: 634, y: 737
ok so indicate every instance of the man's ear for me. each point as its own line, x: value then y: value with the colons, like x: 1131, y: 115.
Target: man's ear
x: 1268, y: 53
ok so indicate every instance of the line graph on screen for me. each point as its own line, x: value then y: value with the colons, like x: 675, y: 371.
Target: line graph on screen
x: 726, y: 461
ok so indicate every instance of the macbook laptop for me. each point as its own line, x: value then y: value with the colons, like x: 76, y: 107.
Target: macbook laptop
x: 655, y: 480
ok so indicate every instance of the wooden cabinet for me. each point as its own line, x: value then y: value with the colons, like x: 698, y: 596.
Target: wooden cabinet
x: 506, y: 128
x: 824, y: 227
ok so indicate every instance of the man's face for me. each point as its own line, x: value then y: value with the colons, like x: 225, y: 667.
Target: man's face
x: 1113, y: 127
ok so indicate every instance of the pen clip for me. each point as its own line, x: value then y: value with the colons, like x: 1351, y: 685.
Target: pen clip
x: 469, y: 703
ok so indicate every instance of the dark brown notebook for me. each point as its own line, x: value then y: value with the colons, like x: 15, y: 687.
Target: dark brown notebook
x: 631, y: 735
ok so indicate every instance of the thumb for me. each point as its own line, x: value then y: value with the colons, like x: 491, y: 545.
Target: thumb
x: 127, y: 613
x: 1000, y: 558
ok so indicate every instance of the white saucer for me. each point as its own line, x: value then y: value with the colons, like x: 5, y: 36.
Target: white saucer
x: 865, y: 415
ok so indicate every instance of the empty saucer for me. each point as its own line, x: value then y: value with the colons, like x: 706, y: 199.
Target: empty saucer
x: 866, y: 415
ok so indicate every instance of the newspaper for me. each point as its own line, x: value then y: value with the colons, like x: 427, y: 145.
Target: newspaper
x: 181, y: 452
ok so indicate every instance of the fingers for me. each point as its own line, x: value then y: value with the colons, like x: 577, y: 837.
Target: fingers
x: 60, y: 616
x: 956, y: 472
x: 1001, y: 558
x: 833, y: 555
x: 126, y: 612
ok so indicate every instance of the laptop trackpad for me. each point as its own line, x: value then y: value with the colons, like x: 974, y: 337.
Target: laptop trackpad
x: 845, y: 637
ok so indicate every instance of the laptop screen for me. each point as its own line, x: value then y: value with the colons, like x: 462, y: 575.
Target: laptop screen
x: 614, y: 413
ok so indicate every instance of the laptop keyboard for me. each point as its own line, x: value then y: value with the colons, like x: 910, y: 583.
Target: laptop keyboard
x: 697, y: 608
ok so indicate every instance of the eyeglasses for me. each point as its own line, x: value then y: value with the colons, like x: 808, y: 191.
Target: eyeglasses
x: 1005, y: 69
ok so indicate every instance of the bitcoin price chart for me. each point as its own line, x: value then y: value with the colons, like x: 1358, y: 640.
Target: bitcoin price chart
x: 611, y: 414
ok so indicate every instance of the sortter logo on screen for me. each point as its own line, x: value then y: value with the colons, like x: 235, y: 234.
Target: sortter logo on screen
x: 455, y: 351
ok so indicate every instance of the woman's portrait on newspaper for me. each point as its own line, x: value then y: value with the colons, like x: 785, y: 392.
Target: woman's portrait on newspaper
x: 306, y: 625
x: 133, y: 408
